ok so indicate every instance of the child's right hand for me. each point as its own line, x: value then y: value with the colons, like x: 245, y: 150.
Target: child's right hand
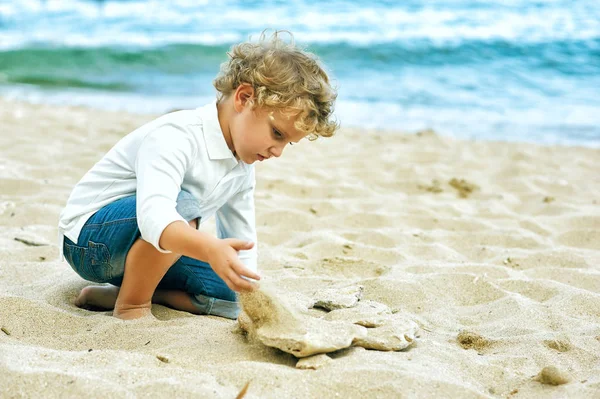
x: 223, y: 258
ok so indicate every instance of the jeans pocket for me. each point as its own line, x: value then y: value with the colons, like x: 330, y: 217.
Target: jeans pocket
x: 98, y: 262
x: 91, y: 263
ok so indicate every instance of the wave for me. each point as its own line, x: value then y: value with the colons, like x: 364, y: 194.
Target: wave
x: 137, y: 69
x: 108, y: 23
x: 110, y: 69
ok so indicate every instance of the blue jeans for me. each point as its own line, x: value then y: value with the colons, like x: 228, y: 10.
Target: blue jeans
x: 106, y: 238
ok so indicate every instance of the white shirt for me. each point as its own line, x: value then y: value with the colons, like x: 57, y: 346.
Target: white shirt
x: 181, y: 150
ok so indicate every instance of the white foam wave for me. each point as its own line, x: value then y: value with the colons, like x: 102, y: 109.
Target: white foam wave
x: 146, y: 23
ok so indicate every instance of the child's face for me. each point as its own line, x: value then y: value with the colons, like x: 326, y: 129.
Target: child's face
x: 261, y: 134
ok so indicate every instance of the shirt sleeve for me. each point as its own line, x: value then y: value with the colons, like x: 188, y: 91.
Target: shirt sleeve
x: 236, y: 219
x: 164, y: 156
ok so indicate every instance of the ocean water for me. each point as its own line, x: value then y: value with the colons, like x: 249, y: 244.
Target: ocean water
x: 526, y: 70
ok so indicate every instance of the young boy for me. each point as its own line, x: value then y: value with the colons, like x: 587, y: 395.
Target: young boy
x: 132, y: 219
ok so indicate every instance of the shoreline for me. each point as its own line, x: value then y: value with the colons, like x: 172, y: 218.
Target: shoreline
x: 492, y: 248
x: 567, y: 142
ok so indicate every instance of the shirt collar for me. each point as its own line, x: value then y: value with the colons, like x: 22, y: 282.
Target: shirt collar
x: 213, y: 135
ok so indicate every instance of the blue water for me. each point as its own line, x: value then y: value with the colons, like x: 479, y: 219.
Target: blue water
x: 502, y: 69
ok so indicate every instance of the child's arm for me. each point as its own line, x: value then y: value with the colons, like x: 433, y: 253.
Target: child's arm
x: 221, y: 254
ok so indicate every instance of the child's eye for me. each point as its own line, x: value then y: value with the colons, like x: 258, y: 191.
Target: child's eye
x: 279, y: 135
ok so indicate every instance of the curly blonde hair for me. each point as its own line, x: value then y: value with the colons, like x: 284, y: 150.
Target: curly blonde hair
x: 285, y: 78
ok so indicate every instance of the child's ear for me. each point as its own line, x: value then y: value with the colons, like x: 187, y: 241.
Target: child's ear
x: 244, y: 95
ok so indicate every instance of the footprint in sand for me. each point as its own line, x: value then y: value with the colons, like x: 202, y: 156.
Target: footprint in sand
x: 279, y: 323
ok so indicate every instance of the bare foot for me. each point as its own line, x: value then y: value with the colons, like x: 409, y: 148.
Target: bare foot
x: 130, y: 312
x: 97, y: 297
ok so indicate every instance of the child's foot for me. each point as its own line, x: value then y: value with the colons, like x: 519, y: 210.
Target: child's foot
x: 96, y: 297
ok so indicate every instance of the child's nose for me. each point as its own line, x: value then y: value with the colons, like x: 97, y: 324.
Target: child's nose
x: 276, y: 151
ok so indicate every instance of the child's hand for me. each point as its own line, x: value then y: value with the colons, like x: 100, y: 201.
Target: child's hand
x: 223, y: 258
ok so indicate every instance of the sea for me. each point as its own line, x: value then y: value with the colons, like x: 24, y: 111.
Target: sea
x: 513, y: 70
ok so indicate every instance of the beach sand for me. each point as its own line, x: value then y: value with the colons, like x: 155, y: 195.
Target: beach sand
x: 492, y: 248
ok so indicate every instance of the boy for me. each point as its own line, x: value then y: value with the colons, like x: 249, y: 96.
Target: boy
x: 132, y: 219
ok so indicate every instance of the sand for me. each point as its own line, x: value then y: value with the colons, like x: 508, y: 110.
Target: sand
x: 492, y: 248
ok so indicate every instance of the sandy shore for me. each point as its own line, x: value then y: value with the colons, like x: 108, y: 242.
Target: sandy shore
x: 493, y: 249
